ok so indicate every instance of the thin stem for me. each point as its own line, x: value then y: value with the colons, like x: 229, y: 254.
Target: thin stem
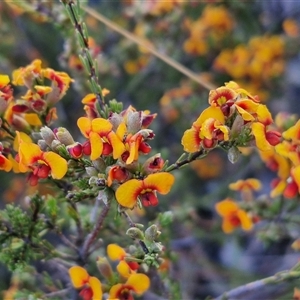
x: 60, y: 293
x: 86, y: 58
x: 179, y: 67
x: 178, y: 164
x: 131, y: 223
x: 255, y: 288
x: 92, y: 236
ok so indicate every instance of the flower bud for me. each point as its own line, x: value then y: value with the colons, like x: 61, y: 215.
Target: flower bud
x: 47, y: 135
x: 64, y: 136
x: 105, y: 268
x: 135, y: 233
x: 153, y: 164
x: 233, y: 154
x: 152, y: 233
x: 75, y: 150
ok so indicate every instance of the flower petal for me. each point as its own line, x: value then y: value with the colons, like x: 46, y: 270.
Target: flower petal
x: 115, y: 290
x: 84, y: 124
x: 96, y: 145
x: 5, y: 164
x: 79, y: 276
x: 102, y: 126
x: 58, y: 165
x: 95, y: 285
x: 246, y: 222
x: 191, y: 140
x: 226, y: 207
x: 116, y: 143
x: 139, y: 283
x: 161, y: 182
x: 124, y: 269
x: 128, y: 192
x: 115, y: 252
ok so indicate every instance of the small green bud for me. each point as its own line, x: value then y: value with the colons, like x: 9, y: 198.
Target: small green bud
x: 47, y: 135
x: 64, y: 136
x: 152, y: 233
x: 135, y: 233
x: 105, y: 268
x: 233, y: 154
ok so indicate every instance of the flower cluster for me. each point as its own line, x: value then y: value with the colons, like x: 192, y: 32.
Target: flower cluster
x: 234, y: 118
x: 118, y: 286
x: 209, y: 30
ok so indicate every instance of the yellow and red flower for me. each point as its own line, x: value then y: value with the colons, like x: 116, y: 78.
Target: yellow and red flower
x: 42, y: 164
x: 6, y: 93
x: 206, y: 130
x: 233, y: 216
x: 136, y: 283
x: 125, y: 268
x: 129, y: 192
x: 91, y: 286
x: 101, y: 136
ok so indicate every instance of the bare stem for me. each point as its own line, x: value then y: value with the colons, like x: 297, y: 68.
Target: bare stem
x: 141, y: 42
x: 131, y: 223
x: 60, y: 293
x: 92, y: 236
x: 180, y: 163
x: 256, y: 288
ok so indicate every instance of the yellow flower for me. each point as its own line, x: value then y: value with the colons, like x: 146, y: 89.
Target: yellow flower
x: 128, y: 192
x: 233, y: 216
x: 137, y: 283
x: 91, y: 285
x: 125, y: 268
x: 101, y: 137
x: 248, y: 184
x: 41, y: 163
x: 196, y: 137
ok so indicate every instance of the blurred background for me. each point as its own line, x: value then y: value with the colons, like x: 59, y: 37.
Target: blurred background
x: 255, y: 43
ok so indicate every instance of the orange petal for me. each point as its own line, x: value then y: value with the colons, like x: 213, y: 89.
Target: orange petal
x: 258, y: 130
x: 128, y: 192
x: 226, y: 207
x: 102, y: 126
x: 115, y: 252
x: 210, y: 112
x: 161, y: 182
x: 5, y: 164
x: 296, y: 175
x: 139, y: 283
x: 227, y: 226
x: 124, y: 269
x: 29, y: 153
x: 116, y: 143
x: 84, y: 124
x: 263, y: 115
x: 79, y: 276
x: 89, y: 98
x: 191, y: 140
x: 21, y: 136
x: 246, y: 222
x: 58, y: 165
x: 4, y: 80
x: 115, y: 291
x: 293, y: 133
x: 33, y: 119
x: 95, y: 285
x: 96, y: 145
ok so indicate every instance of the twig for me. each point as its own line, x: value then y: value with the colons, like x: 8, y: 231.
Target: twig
x: 256, y: 287
x: 181, y: 163
x: 92, y: 236
x: 60, y: 293
x: 179, y: 67
x: 131, y: 223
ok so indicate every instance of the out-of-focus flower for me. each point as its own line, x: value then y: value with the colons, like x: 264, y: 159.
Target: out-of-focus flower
x: 129, y: 192
x: 233, y: 216
x: 91, y: 286
x: 291, y: 27
x: 136, y: 283
x: 6, y: 93
x: 125, y: 268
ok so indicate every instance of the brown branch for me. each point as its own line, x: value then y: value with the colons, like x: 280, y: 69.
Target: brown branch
x: 179, y: 67
x: 92, y: 236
